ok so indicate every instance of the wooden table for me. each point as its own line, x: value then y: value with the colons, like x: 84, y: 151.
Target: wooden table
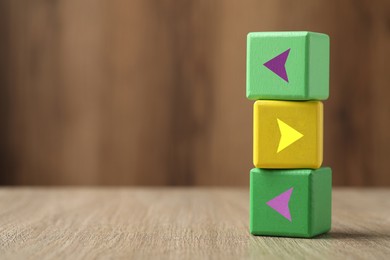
x: 182, y: 223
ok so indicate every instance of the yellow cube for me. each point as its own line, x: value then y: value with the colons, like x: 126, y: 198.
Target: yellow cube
x: 288, y: 134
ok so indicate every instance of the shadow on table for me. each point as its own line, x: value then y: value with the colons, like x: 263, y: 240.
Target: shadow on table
x: 340, y: 235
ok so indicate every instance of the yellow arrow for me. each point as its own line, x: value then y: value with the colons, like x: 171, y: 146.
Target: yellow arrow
x: 288, y: 135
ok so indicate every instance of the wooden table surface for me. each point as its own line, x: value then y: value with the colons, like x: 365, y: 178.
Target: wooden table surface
x: 182, y: 223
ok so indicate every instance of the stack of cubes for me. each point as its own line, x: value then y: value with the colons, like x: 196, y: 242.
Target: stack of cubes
x: 288, y: 76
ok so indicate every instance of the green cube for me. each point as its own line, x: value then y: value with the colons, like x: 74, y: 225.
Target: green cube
x: 291, y: 203
x: 287, y: 66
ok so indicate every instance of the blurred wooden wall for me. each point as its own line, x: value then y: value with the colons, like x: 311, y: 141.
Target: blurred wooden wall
x: 149, y: 92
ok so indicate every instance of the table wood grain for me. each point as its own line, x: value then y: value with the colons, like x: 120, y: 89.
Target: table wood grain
x: 178, y: 223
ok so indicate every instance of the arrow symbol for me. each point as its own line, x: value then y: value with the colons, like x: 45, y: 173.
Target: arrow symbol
x: 288, y: 135
x: 280, y: 204
x: 277, y: 65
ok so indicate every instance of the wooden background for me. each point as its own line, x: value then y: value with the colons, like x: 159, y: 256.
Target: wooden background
x: 152, y: 92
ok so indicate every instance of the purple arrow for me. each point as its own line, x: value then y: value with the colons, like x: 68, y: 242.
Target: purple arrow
x: 280, y: 204
x: 277, y: 65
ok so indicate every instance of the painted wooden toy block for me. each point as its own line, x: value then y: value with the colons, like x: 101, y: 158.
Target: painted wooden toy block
x: 287, y: 66
x: 287, y: 134
x: 293, y: 203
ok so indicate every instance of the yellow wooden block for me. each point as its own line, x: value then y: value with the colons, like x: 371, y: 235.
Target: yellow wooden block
x: 288, y: 134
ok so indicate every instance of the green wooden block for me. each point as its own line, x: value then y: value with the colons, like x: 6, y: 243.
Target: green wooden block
x: 292, y: 203
x: 287, y: 66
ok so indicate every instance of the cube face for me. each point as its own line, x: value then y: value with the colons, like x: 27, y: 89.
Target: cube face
x: 287, y: 66
x: 294, y: 203
x: 287, y: 134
